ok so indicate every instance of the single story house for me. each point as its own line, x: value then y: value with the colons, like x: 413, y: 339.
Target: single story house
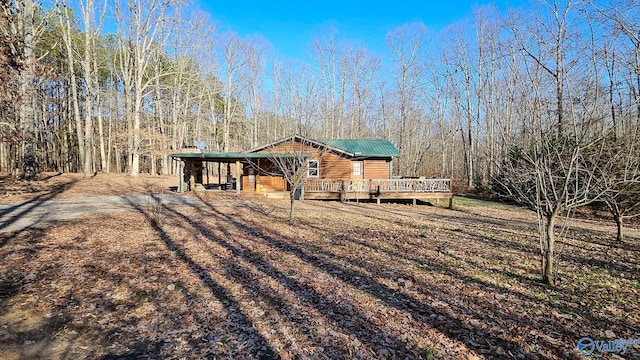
x: 326, y: 159
x: 333, y: 169
x: 335, y: 159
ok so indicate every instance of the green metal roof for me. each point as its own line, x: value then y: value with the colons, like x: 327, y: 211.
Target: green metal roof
x: 363, y: 147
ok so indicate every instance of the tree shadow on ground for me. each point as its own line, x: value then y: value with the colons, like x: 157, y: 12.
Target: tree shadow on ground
x: 446, y: 322
x: 13, y: 213
x: 42, y: 325
x: 260, y: 347
x: 499, y: 238
x: 360, y: 326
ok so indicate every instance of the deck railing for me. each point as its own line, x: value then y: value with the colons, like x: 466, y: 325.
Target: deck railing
x: 378, y: 186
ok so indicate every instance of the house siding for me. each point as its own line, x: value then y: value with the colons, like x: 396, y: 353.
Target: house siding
x: 376, y: 169
x: 332, y: 166
x: 263, y: 182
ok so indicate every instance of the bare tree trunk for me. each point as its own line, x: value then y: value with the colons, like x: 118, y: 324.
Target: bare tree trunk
x: 145, y: 26
x: 136, y: 146
x: 408, y: 49
x: 109, y: 142
x: 292, y: 196
x: 619, y: 226
x: 88, y: 112
x: 67, y: 37
x: 26, y: 14
x: 548, y: 250
x: 103, y: 156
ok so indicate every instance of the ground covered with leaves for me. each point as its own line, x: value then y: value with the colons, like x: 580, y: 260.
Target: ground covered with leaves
x: 231, y: 277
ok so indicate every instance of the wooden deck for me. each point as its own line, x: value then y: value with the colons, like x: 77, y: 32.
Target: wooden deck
x: 414, y: 189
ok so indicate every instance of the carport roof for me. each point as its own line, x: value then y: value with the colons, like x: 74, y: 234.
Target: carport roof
x: 232, y: 156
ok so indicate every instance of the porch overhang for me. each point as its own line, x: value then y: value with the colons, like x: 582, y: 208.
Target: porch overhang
x: 193, y: 163
x: 227, y: 157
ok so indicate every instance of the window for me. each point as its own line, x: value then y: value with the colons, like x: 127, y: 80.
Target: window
x: 357, y: 168
x: 313, y: 168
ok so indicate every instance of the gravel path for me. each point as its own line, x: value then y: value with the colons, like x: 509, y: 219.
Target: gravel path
x: 36, y: 212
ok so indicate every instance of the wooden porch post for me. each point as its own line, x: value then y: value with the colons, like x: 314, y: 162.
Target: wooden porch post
x: 238, y: 183
x: 181, y: 176
x: 219, y: 175
x: 192, y: 176
x: 206, y: 163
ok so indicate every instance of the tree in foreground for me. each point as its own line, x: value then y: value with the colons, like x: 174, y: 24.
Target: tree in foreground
x: 618, y: 187
x: 294, y: 160
x: 552, y: 176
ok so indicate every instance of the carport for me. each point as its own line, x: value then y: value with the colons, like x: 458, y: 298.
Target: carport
x: 192, y: 164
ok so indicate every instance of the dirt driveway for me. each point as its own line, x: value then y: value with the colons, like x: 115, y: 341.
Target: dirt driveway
x: 60, y: 197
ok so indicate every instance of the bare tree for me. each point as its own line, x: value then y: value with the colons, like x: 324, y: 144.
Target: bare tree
x: 255, y: 90
x: 92, y: 25
x: 65, y: 16
x: 143, y: 27
x: 551, y: 176
x: 10, y: 68
x: 465, y: 91
x: 618, y: 185
x: 407, y: 45
x: 292, y: 160
x: 233, y: 64
x: 326, y: 54
x: 362, y: 70
x: 92, y: 19
x: 624, y: 19
x: 26, y: 30
x: 553, y: 36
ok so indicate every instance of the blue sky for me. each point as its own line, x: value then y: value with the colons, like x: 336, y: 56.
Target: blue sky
x: 291, y: 25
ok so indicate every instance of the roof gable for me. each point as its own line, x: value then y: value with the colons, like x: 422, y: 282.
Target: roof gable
x: 349, y: 147
x: 300, y: 139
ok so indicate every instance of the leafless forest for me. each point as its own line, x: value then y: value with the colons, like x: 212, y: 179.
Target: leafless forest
x: 115, y: 86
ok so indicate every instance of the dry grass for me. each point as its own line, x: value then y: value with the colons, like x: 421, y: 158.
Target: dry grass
x: 227, y: 279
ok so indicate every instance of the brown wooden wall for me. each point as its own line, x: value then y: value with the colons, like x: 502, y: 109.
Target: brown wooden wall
x: 263, y: 180
x: 332, y: 166
x: 271, y: 183
x: 246, y: 185
x: 376, y: 169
